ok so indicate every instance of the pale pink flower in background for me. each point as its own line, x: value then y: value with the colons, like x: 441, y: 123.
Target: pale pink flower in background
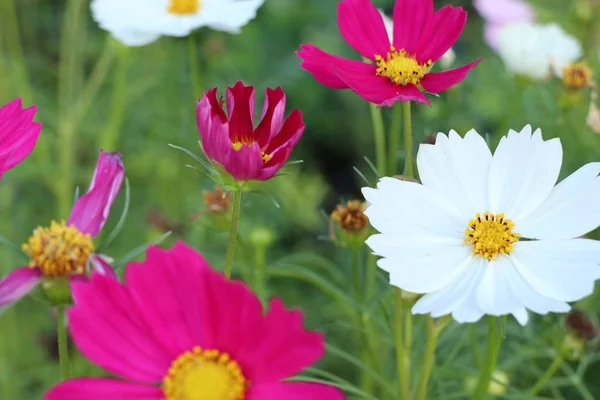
x: 498, y: 13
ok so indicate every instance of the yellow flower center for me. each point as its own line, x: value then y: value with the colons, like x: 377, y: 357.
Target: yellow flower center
x: 59, y: 250
x: 490, y: 235
x: 400, y: 67
x: 577, y: 75
x: 238, y: 143
x: 183, y: 7
x: 204, y: 375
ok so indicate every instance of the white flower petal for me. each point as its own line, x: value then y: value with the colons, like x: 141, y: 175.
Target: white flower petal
x: 407, y: 247
x: 494, y: 294
x: 571, y: 209
x: 400, y: 207
x: 563, y: 270
x: 457, y: 169
x: 521, y: 315
x: 238, y: 13
x: 428, y: 273
x: 133, y: 37
x: 523, y: 171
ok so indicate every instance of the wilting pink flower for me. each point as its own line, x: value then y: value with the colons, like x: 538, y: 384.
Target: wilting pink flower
x: 498, y: 13
x: 248, y: 153
x: 401, y: 67
x: 66, y: 250
x: 176, y: 329
x: 18, y: 134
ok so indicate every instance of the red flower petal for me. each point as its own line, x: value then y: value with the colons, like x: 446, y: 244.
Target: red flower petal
x: 319, y: 64
x: 361, y: 25
x: 214, y: 132
x: 293, y: 391
x: 289, y: 134
x: 377, y: 89
x: 240, y: 106
x: 272, y: 116
x: 442, y: 31
x: 436, y: 82
x: 215, y: 105
x: 410, y: 19
x: 102, y: 389
x: 244, y: 164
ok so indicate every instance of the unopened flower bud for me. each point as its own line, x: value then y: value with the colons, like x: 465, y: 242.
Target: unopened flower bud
x: 577, y: 76
x: 497, y: 386
x: 349, y: 224
x: 57, y: 291
x: 430, y: 138
x: 581, y: 325
x: 216, y: 201
x: 262, y: 237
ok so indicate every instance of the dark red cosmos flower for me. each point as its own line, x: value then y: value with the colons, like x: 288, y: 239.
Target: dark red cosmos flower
x: 400, y: 70
x: 245, y: 152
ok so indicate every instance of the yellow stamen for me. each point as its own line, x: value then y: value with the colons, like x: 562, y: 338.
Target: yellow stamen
x: 577, y: 75
x: 400, y: 67
x: 490, y: 235
x: 184, y: 7
x: 238, y: 143
x: 59, y: 250
x: 204, y: 375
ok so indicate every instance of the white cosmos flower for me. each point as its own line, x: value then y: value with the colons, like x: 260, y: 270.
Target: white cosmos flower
x: 139, y: 22
x: 537, y: 50
x: 436, y: 239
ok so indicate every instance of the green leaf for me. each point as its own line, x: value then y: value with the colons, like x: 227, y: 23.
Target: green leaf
x: 139, y: 250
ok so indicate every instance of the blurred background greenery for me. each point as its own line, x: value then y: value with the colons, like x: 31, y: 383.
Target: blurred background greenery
x: 94, y: 93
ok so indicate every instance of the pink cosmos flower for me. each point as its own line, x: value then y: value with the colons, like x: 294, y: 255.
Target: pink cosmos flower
x: 176, y: 329
x: 18, y: 134
x: 66, y: 250
x: 498, y: 13
x: 400, y: 69
x: 248, y: 153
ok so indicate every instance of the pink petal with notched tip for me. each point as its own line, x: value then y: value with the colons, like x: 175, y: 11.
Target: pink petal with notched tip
x: 436, y: 82
x: 272, y: 117
x: 410, y: 20
x: 294, y: 391
x: 320, y: 64
x: 240, y: 107
x: 17, y: 284
x: 361, y: 25
x: 91, y: 210
x: 102, y: 389
x: 213, y: 129
x: 441, y: 32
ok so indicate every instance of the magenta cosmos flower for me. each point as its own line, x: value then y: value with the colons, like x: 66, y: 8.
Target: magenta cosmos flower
x: 400, y: 69
x: 63, y: 251
x: 18, y: 134
x: 245, y: 152
x: 176, y: 329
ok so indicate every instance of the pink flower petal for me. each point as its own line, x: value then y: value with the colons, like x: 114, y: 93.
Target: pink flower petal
x: 108, y: 328
x: 410, y: 19
x: 244, y: 164
x: 214, y: 131
x: 289, y: 349
x: 90, y: 212
x: 100, y: 265
x: 378, y: 89
x: 361, y: 25
x: 102, y: 389
x: 17, y: 284
x: 18, y: 134
x: 290, y: 132
x: 272, y: 116
x: 292, y: 391
x: 278, y: 159
x: 504, y: 11
x: 168, y: 290
x: 442, y: 31
x: 436, y: 82
x: 240, y: 106
x: 320, y: 64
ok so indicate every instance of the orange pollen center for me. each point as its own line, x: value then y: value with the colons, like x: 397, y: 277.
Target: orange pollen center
x: 204, y: 375
x: 59, y: 250
x: 400, y: 67
x: 183, y: 7
x: 239, y: 142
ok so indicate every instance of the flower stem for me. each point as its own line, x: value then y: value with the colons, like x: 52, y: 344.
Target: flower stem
x: 547, y: 375
x: 429, y: 357
x: 356, y: 276
x: 260, y: 266
x: 402, y: 359
x: 408, y: 163
x: 493, y: 347
x: 194, y: 69
x: 379, y: 138
x: 110, y: 134
x: 63, y: 344
x: 235, y: 219
x: 394, y: 135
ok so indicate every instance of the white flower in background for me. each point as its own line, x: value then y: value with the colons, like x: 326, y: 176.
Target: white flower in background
x: 458, y: 236
x: 537, y: 51
x: 446, y: 60
x: 497, y: 13
x: 139, y: 22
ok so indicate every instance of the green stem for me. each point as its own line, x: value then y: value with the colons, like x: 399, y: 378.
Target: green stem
x: 260, y: 266
x: 356, y: 274
x: 63, y: 344
x: 408, y: 338
x: 194, y: 69
x: 401, y: 356
x: 379, y: 138
x: 556, y: 363
x: 429, y: 357
x: 474, y: 345
x: 493, y: 348
x: 394, y: 135
x: 110, y: 135
x: 235, y: 219
x: 408, y: 163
